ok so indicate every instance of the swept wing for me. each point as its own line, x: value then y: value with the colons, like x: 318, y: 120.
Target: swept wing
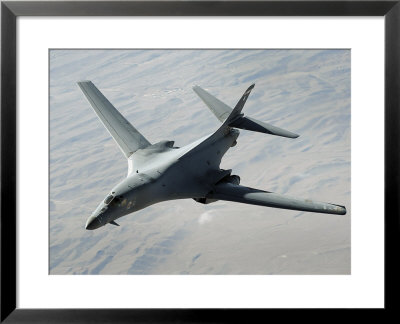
x: 125, y: 135
x: 247, y: 195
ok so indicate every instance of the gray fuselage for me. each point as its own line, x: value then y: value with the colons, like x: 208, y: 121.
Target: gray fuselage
x: 162, y: 172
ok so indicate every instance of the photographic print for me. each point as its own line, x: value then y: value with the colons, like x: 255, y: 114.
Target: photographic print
x: 216, y: 162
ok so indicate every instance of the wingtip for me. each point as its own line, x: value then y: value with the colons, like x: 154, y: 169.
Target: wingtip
x: 287, y: 134
x: 83, y: 81
x: 340, y: 210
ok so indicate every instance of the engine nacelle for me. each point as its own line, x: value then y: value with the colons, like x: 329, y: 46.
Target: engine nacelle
x: 234, y: 179
x: 205, y: 200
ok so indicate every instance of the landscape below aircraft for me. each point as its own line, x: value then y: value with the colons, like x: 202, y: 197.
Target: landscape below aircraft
x: 161, y: 171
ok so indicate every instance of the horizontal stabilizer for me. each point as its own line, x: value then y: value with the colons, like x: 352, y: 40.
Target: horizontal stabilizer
x: 246, y: 195
x: 255, y: 125
x: 125, y: 135
x: 235, y: 118
x: 218, y: 108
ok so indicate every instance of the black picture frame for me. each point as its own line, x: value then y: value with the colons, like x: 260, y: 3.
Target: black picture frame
x: 11, y: 10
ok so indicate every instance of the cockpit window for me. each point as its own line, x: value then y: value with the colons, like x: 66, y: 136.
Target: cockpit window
x: 108, y: 199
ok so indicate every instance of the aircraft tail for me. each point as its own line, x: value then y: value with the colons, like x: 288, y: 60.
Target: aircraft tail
x: 235, y: 117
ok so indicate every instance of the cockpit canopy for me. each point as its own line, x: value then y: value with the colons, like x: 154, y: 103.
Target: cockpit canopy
x: 108, y: 199
x: 113, y: 199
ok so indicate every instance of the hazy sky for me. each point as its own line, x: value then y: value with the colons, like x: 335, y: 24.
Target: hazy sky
x: 304, y: 91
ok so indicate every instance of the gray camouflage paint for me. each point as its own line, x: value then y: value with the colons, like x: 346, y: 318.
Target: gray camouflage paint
x: 161, y: 172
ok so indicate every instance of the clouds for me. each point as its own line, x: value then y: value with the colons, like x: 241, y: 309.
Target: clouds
x: 206, y: 217
x: 304, y: 91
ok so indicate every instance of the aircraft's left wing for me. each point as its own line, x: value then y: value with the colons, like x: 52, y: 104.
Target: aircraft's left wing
x: 125, y: 135
x: 241, y: 194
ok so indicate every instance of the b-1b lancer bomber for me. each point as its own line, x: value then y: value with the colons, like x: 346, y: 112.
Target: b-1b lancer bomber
x: 159, y: 172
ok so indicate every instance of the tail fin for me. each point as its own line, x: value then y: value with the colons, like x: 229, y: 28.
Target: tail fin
x: 235, y: 118
x: 237, y: 111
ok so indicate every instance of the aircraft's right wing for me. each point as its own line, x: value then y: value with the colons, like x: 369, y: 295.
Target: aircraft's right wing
x: 241, y: 194
x: 125, y: 135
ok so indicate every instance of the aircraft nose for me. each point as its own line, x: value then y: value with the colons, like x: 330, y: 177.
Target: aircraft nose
x: 92, y: 223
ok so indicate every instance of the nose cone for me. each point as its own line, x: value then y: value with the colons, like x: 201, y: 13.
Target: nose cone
x: 92, y: 223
